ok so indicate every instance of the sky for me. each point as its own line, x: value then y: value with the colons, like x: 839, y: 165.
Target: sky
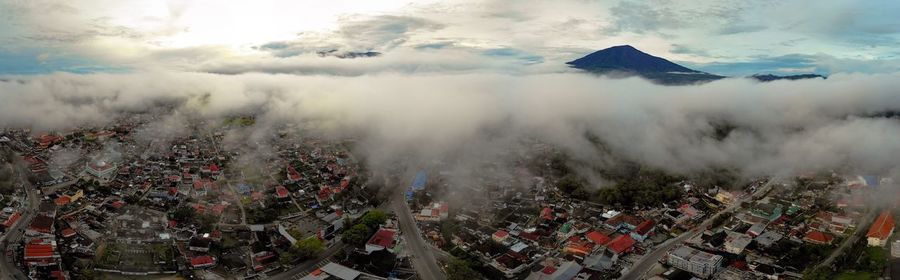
x: 468, y: 81
x: 733, y: 38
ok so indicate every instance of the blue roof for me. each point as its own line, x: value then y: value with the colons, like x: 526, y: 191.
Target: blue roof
x: 871, y: 180
x: 420, y: 180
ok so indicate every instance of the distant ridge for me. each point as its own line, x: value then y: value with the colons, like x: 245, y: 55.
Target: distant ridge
x: 626, y: 60
x: 771, y: 77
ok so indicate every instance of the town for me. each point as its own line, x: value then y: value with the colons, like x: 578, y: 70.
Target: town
x: 127, y: 201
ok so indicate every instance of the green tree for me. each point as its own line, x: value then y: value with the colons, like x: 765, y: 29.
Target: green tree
x: 356, y: 235
x: 308, y: 247
x: 184, y: 214
x: 461, y: 270
x: 374, y: 218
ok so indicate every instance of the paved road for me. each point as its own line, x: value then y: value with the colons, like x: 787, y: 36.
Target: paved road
x: 7, y: 269
x: 305, y: 267
x: 861, y: 229
x: 421, y: 253
x: 638, y: 270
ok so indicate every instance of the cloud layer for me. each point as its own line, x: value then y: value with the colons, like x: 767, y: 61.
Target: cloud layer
x: 755, y: 128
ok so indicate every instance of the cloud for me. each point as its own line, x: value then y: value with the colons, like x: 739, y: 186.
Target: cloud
x: 785, y: 127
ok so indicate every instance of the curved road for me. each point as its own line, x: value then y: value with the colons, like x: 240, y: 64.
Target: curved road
x: 13, y: 234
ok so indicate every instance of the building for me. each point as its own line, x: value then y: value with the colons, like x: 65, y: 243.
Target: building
x: 203, y: 261
x: 381, y: 240
x: 736, y: 242
x: 282, y: 194
x: 895, y: 249
x: 818, y: 237
x: 333, y: 271
x: 100, y: 170
x: 41, y: 253
x: 420, y: 181
x: 699, y: 263
x: 434, y: 212
x: 881, y: 229
x: 565, y: 271
x: 621, y: 244
x: 500, y: 236
x: 643, y: 230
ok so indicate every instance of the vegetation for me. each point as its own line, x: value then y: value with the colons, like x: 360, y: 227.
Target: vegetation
x: 364, y: 227
x: 261, y: 215
x: 458, y: 269
x: 648, y: 187
x: 303, y: 249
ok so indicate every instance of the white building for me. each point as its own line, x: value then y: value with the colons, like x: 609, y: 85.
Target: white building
x: 699, y: 263
x: 100, y: 170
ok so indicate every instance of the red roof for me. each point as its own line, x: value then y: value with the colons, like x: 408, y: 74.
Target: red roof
x: 598, y: 237
x: 218, y: 209
x: 818, y: 236
x: 68, y: 232
x: 12, y: 219
x: 42, y: 224
x: 621, y: 244
x: 548, y: 270
x: 529, y: 235
x: 644, y: 227
x: 547, y: 214
x: 38, y: 251
x: 501, y: 233
x: 202, y: 260
x: 117, y: 204
x: 882, y: 226
x: 281, y: 192
x: 214, y: 168
x: 62, y: 200
x: 293, y: 175
x: 383, y: 238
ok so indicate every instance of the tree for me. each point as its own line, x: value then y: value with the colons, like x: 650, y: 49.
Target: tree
x: 184, y: 214
x: 461, y: 270
x: 373, y: 218
x: 309, y: 247
x: 356, y: 235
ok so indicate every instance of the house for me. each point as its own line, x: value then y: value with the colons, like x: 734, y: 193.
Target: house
x: 643, y: 230
x: 881, y: 229
x: 510, y: 263
x: 736, y: 242
x: 40, y: 225
x: 41, y: 253
x: 202, y: 261
x: 282, y: 194
x: 434, y: 212
x: 699, y: 263
x: 500, y: 236
x: 565, y: 271
x: 756, y: 229
x: 199, y: 244
x: 579, y: 247
x: 817, y: 237
x: 381, y: 240
x: 598, y: 238
x: 621, y: 244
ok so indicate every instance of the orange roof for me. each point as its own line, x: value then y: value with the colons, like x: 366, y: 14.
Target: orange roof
x: 621, y: 244
x: 818, y: 236
x: 12, y: 219
x: 62, y: 200
x: 597, y: 237
x: 38, y: 251
x: 882, y: 226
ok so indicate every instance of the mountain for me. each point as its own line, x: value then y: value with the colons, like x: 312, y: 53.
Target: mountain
x: 770, y: 77
x: 338, y: 54
x: 627, y: 61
